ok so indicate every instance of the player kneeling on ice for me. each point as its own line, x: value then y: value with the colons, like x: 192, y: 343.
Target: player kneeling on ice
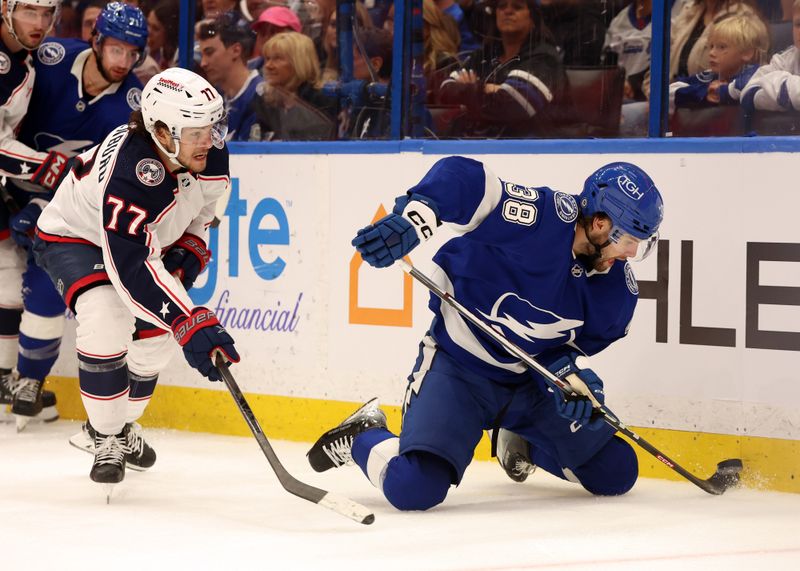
x: 123, y: 240
x: 548, y: 269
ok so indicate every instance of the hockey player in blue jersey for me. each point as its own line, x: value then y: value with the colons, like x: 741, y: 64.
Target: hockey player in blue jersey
x: 23, y: 27
x: 548, y: 269
x: 124, y: 238
x: 82, y: 93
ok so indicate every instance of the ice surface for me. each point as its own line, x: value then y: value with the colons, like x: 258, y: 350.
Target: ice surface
x: 212, y: 502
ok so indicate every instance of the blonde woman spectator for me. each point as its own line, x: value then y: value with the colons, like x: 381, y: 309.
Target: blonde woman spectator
x: 776, y: 86
x: 737, y: 45
x: 441, y: 39
x: 291, y: 105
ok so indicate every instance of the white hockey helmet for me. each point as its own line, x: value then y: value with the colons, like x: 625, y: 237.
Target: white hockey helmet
x: 11, y: 5
x: 181, y: 99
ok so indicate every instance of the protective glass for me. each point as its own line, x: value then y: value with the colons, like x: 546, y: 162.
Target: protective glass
x: 199, y: 136
x: 120, y: 54
x: 633, y: 248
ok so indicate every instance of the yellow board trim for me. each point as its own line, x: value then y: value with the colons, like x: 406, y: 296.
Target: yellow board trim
x: 770, y: 463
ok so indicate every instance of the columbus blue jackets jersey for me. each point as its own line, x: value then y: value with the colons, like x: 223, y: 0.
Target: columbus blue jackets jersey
x: 513, y: 265
x: 62, y: 116
x: 125, y: 201
x: 17, y: 77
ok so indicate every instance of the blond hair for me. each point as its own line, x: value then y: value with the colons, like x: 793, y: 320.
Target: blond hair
x: 444, y: 35
x: 299, y: 50
x: 745, y: 31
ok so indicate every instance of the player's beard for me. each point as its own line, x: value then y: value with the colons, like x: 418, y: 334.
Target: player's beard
x: 104, y: 73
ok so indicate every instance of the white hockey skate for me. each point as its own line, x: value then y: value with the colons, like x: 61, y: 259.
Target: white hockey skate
x: 139, y: 455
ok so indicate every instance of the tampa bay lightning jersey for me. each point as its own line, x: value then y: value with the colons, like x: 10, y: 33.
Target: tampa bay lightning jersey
x: 512, y: 265
x: 241, y: 115
x: 61, y: 116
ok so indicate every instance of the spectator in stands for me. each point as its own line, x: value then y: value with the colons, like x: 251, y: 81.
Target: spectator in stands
x: 214, y: 8
x: 89, y: 16
x: 290, y: 105
x: 453, y: 9
x: 224, y: 45
x: 327, y: 49
x: 508, y: 86
x: 578, y: 29
x: 688, y: 54
x: 737, y: 45
x: 441, y: 39
x: 776, y: 86
x: 162, y: 43
x: 252, y: 9
x: 272, y: 21
x: 372, y: 118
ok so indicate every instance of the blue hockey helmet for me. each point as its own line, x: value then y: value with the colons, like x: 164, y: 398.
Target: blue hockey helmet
x: 629, y: 197
x: 125, y: 23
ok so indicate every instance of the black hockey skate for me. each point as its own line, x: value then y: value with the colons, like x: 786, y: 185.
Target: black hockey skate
x: 333, y: 449
x: 9, y: 385
x: 139, y: 455
x: 109, y: 458
x: 514, y: 455
x: 31, y: 402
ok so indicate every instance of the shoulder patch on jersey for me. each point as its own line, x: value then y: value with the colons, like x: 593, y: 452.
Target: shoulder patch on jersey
x: 134, y: 98
x: 630, y: 280
x: 51, y: 53
x: 150, y: 172
x: 566, y: 206
x: 5, y: 63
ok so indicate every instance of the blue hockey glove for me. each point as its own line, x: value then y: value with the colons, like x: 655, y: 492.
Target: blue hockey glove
x: 578, y: 409
x: 388, y: 240
x: 23, y: 223
x: 202, y: 337
x: 186, y: 259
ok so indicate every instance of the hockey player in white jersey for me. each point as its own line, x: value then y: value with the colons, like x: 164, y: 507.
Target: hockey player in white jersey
x: 23, y: 27
x: 123, y: 239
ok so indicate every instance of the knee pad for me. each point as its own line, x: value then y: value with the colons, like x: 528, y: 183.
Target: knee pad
x: 612, y: 471
x: 105, y: 325
x: 148, y: 357
x: 417, y: 481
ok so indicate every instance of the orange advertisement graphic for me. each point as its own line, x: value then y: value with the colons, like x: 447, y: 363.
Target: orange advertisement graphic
x: 378, y: 315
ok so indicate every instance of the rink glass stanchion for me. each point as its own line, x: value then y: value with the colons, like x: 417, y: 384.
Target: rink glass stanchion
x: 727, y: 473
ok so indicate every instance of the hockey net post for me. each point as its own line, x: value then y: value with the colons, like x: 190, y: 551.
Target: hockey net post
x: 727, y: 473
x: 334, y: 502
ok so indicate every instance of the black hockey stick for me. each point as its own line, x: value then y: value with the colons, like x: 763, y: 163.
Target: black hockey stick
x: 727, y: 474
x: 335, y: 502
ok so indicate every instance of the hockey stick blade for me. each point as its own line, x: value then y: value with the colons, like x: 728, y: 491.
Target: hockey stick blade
x: 727, y: 474
x: 333, y: 502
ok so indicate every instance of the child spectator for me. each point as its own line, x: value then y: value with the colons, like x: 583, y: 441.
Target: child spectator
x: 737, y: 45
x: 776, y: 86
